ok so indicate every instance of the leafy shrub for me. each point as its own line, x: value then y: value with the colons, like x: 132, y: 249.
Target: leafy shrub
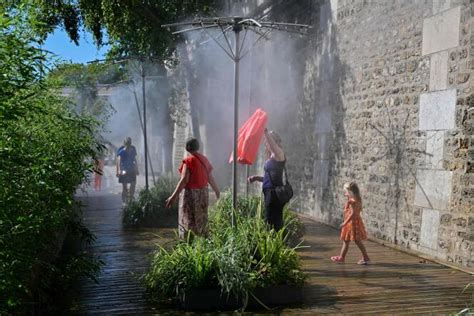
x: 237, y: 260
x: 44, y: 146
x: 60, y: 275
x: 149, y: 209
x: 293, y: 228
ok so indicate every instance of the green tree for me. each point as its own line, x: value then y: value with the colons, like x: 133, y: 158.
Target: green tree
x: 132, y: 27
x: 44, y: 149
x: 84, y: 80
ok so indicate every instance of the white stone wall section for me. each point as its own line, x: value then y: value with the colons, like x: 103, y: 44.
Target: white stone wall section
x: 437, y: 116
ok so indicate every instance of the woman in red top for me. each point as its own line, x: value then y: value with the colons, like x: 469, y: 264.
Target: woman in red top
x: 352, y: 229
x: 196, y: 173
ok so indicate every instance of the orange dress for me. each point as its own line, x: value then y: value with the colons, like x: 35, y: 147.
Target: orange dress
x: 354, y: 229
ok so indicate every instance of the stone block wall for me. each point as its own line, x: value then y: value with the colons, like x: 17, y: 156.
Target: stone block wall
x: 385, y: 98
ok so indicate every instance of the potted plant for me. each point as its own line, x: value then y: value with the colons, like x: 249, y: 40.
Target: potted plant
x: 233, y: 267
x: 149, y: 209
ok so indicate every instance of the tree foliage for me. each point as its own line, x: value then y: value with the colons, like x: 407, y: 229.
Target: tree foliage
x: 85, y: 81
x: 21, y: 69
x: 131, y: 27
x: 78, y: 75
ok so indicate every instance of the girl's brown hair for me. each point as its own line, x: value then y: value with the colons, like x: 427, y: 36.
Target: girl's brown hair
x: 354, y: 188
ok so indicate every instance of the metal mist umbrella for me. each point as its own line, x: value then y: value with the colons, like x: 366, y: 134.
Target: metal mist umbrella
x: 262, y: 29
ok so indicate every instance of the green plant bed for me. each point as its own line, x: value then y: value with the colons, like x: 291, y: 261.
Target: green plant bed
x: 46, y: 144
x: 149, y: 209
x: 235, y: 263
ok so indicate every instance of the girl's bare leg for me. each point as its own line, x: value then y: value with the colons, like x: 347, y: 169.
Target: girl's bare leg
x: 344, y: 249
x: 132, y: 190
x: 124, y: 193
x: 362, y: 249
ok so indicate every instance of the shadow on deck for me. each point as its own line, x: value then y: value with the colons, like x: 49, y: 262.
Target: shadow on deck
x: 396, y: 283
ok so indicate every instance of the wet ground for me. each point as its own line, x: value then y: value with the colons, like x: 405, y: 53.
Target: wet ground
x: 395, y: 283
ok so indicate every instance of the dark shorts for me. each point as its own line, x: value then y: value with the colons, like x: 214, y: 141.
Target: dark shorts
x: 273, y: 209
x: 128, y: 178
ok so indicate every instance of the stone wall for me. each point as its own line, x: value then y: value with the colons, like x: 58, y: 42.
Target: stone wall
x: 384, y: 96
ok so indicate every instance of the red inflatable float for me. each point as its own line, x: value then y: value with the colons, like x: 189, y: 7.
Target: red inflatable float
x: 250, y: 136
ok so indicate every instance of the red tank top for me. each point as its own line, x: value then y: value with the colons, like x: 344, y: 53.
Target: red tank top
x: 199, y: 168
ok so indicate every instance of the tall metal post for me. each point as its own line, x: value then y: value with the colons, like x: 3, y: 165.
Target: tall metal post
x: 141, y: 125
x: 144, y: 126
x: 236, y: 28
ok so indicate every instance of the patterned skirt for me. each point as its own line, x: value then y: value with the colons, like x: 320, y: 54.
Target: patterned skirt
x: 354, y: 230
x: 192, y: 214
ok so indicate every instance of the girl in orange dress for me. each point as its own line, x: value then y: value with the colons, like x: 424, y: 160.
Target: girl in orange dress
x: 352, y: 229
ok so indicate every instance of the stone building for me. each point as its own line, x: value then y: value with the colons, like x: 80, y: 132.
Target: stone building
x: 380, y: 92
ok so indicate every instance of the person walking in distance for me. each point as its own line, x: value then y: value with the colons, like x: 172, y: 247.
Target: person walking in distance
x: 127, y: 169
x: 98, y: 173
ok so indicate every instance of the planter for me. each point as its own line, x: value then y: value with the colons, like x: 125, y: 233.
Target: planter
x: 279, y: 295
x: 208, y: 299
x: 213, y: 299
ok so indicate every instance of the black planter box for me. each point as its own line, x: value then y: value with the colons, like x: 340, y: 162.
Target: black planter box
x: 213, y: 299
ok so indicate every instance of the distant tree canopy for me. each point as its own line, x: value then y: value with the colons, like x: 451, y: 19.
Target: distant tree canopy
x: 80, y: 75
x: 85, y: 80
x: 132, y: 27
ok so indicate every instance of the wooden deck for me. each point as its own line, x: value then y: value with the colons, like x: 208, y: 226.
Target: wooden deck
x: 396, y: 283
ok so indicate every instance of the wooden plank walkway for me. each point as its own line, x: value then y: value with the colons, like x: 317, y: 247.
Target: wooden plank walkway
x: 396, y: 283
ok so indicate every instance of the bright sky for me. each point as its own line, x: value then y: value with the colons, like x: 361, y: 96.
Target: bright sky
x: 60, y: 44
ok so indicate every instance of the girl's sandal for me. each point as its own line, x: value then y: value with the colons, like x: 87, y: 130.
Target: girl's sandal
x: 337, y: 259
x: 363, y: 262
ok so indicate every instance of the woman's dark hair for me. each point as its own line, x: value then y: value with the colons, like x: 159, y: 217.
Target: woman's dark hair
x: 192, y: 145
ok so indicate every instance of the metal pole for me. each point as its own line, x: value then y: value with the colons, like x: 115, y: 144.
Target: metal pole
x: 141, y: 125
x: 144, y: 127
x: 237, y: 28
x: 250, y: 100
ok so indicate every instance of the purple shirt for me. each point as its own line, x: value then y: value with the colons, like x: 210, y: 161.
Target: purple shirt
x: 273, y: 175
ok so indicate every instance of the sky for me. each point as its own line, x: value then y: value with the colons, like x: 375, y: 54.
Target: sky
x: 60, y: 44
